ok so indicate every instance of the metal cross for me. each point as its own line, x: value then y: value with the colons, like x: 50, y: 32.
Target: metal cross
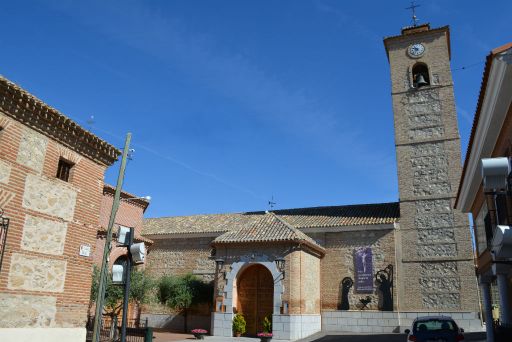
x: 413, y: 8
x: 271, y: 203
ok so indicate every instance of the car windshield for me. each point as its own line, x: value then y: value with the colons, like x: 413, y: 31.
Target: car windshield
x: 434, y: 325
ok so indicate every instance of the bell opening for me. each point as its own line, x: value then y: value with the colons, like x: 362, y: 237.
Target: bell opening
x: 420, y: 75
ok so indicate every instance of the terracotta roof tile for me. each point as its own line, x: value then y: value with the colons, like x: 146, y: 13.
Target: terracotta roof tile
x: 316, y: 217
x: 269, y: 228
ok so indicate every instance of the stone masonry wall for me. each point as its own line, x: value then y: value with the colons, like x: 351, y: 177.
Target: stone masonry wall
x: 44, y: 282
x: 338, y: 263
x: 433, y: 238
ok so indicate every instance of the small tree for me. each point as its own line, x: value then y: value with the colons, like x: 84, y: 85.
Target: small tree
x: 141, y: 286
x: 180, y: 293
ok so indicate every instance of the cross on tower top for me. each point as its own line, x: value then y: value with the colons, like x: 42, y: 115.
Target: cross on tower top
x: 413, y: 8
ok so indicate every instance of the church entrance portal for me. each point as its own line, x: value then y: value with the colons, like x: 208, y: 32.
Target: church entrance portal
x: 255, y: 297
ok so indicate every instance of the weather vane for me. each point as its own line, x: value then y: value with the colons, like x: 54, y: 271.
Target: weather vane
x: 271, y: 203
x: 414, y: 17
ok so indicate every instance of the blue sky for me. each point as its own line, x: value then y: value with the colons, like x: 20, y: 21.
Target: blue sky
x: 232, y: 102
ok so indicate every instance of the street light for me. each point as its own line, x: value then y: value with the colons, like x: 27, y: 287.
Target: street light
x: 280, y: 263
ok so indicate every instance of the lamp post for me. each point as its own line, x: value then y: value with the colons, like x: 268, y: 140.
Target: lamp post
x: 280, y: 263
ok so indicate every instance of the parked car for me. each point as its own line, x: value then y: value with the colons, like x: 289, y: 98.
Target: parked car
x: 434, y: 329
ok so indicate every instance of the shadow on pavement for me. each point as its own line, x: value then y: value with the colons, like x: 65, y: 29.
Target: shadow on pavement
x: 480, y: 337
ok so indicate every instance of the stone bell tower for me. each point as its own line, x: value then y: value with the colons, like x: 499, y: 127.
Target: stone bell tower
x: 435, y: 270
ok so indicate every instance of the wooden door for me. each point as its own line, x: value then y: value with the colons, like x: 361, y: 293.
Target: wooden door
x: 255, y: 297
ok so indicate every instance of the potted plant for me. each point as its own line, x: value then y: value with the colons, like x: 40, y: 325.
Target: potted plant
x: 265, y: 336
x: 238, y: 325
x: 199, y: 333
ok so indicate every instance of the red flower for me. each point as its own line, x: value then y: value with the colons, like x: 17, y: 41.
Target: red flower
x: 264, y: 334
x: 199, y: 331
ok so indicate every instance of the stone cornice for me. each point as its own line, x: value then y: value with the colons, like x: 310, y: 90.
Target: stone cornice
x: 22, y: 106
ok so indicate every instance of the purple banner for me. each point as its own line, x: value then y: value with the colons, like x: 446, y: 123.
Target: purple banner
x: 363, y: 262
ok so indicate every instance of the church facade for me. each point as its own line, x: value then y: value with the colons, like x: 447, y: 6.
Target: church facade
x: 359, y: 268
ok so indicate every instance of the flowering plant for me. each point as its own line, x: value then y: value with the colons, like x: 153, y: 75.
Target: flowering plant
x: 199, y: 331
x: 264, y: 334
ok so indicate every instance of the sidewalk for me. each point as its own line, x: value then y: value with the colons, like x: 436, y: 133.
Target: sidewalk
x: 175, y: 337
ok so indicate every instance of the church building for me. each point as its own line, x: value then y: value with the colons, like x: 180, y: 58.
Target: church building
x: 353, y: 268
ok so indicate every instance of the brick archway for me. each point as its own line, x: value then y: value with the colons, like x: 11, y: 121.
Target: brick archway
x: 255, y: 287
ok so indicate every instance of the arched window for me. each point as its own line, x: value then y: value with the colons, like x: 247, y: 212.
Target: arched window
x: 420, y: 75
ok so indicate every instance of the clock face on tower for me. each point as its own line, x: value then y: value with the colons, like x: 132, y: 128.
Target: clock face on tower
x: 416, y: 50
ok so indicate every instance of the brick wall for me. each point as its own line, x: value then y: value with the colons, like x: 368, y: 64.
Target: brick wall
x: 43, y: 278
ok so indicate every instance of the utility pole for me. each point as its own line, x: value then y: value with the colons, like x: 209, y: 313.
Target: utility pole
x: 106, y: 251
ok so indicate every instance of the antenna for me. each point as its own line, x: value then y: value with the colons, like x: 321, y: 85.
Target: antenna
x: 414, y: 17
x: 271, y: 203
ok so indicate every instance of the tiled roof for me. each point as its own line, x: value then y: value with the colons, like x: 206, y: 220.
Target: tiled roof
x: 316, y: 217
x: 269, y: 228
x: 19, y: 104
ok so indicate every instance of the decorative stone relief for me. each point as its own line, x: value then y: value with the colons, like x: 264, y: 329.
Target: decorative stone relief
x: 5, y: 172
x: 441, y: 300
x: 436, y: 250
x: 446, y: 268
x: 429, y: 189
x: 433, y: 221
x: 49, y: 197
x: 426, y: 133
x: 36, y: 273
x: 32, y: 150
x: 430, y: 176
x: 19, y: 311
x: 419, y: 120
x: 433, y: 206
x: 43, y: 236
x: 424, y: 108
x: 440, y: 284
x: 429, y: 162
x: 428, y: 149
x: 421, y: 96
x: 426, y: 236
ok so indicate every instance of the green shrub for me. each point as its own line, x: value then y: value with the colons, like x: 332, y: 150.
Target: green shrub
x: 239, y: 324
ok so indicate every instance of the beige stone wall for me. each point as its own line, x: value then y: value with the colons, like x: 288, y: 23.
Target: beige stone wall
x: 42, y: 235
x: 27, y: 311
x: 51, y: 197
x: 36, y: 274
x: 5, y: 172
x: 32, y: 150
x: 181, y: 256
x: 338, y: 263
x: 433, y: 240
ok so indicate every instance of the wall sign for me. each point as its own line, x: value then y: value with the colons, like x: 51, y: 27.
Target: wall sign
x: 363, y: 262
x: 85, y: 250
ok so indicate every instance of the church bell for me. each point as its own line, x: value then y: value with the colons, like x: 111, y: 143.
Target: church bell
x: 420, y: 81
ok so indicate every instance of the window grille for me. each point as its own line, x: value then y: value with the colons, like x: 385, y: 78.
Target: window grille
x: 63, y: 170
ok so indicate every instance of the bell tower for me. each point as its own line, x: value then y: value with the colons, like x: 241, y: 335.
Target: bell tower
x: 435, y: 268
